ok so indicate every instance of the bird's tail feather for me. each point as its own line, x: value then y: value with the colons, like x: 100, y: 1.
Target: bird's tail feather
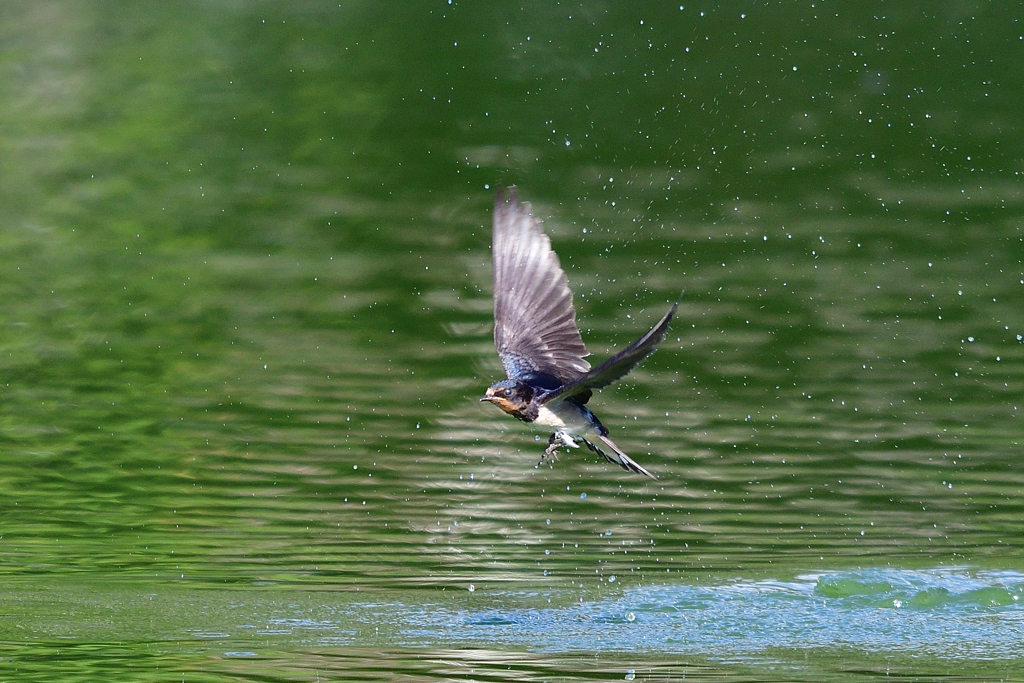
x: 617, y: 456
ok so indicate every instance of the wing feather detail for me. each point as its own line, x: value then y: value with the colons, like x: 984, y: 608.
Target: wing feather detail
x: 535, y: 328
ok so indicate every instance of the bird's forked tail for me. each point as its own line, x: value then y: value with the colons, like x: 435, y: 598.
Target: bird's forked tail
x: 617, y: 456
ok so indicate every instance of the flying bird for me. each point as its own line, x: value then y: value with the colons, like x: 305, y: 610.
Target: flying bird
x: 535, y: 332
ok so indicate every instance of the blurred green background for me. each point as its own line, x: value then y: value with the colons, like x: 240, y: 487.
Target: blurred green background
x: 245, y: 283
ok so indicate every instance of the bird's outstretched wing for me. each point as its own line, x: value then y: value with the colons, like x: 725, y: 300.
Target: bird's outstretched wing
x: 617, y: 366
x: 534, y: 318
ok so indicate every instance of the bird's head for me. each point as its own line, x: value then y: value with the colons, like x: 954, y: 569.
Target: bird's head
x: 510, y: 395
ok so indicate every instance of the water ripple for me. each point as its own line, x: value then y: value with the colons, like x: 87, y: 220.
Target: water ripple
x: 950, y: 613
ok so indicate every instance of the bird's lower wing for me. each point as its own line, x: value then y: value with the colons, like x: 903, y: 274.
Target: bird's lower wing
x: 617, y: 366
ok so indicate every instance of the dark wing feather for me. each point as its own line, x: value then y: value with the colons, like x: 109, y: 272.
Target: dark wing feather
x: 534, y: 319
x: 617, y: 366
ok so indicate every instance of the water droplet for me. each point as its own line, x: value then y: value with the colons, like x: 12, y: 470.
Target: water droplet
x: 472, y: 588
x: 630, y: 617
x: 611, y: 579
x: 583, y: 496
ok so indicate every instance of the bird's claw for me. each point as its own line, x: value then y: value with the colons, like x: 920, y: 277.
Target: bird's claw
x: 550, y: 453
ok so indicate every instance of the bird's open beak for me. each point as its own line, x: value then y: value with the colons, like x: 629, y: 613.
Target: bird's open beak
x: 488, y: 399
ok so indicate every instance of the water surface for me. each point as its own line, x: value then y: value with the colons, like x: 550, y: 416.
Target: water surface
x: 246, y: 290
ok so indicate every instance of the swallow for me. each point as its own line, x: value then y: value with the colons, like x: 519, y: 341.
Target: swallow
x: 548, y: 381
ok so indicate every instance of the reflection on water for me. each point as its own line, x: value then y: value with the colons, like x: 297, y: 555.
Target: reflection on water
x: 246, y: 313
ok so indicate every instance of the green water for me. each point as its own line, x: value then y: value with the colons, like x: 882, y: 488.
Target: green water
x: 245, y: 284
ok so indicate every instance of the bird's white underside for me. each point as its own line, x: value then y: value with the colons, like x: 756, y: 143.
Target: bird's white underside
x: 567, y: 419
